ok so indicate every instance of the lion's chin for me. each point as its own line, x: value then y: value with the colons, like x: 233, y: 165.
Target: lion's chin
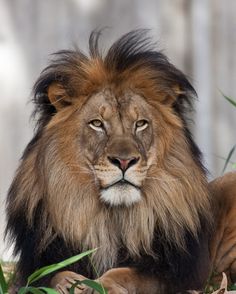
x: 121, y: 195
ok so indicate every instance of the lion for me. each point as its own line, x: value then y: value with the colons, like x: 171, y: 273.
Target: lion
x: 113, y: 166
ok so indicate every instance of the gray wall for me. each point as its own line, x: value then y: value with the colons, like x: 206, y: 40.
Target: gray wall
x: 198, y: 36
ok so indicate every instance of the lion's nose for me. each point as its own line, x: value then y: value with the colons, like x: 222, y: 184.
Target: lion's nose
x: 123, y: 164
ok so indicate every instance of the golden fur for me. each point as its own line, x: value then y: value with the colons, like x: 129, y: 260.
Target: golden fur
x: 178, y: 184
x: 58, y: 192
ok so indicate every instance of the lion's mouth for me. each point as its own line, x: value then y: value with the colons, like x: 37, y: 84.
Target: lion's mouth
x: 122, y: 184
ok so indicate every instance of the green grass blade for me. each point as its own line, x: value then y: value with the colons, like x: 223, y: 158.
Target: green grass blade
x: 96, y: 272
x: 94, y: 285
x: 231, y: 100
x: 228, y: 158
x: 3, y: 283
x: 91, y: 284
x: 22, y: 290
x: 48, y: 290
x: 32, y: 290
x: 46, y: 270
x: 232, y: 287
x: 74, y: 285
x: 35, y: 290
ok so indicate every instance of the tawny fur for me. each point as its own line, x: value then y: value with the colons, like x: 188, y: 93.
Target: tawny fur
x: 67, y: 166
x: 174, y: 192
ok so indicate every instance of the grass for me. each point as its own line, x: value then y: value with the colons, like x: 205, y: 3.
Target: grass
x: 7, y: 274
x: 7, y: 270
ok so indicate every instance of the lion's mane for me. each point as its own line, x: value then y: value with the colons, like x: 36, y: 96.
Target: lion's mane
x: 53, y: 208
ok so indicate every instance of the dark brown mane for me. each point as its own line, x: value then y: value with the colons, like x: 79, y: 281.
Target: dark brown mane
x: 132, y: 51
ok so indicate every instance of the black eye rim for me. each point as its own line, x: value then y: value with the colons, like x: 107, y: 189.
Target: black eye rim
x: 145, y: 122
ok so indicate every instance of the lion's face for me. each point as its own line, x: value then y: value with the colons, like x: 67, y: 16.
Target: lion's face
x: 118, y: 136
x: 115, y: 136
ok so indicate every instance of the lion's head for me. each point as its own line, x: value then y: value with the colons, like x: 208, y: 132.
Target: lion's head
x: 112, y: 161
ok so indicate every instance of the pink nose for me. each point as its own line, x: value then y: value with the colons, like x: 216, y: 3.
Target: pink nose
x: 123, y: 164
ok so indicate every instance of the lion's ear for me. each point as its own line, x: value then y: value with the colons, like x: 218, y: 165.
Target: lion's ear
x: 173, y: 95
x: 58, y: 96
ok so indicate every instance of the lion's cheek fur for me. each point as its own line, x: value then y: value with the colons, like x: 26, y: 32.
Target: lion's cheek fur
x: 169, y: 187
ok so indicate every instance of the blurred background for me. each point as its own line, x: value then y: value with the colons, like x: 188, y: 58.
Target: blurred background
x: 198, y: 36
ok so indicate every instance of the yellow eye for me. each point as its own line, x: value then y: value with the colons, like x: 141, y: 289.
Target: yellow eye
x: 141, y: 124
x: 96, y: 124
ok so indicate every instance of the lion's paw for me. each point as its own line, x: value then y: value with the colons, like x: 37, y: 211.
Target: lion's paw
x: 110, y: 285
x: 63, y: 281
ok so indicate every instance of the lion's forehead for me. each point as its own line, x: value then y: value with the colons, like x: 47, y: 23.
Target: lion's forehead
x: 110, y: 105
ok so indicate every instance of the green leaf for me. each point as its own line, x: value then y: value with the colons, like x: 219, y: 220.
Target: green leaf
x: 94, y: 285
x: 74, y: 285
x: 90, y: 283
x: 228, y: 158
x: 33, y: 290
x: 22, y: 290
x: 3, y: 283
x: 231, y: 100
x: 46, y: 270
x: 48, y: 290
x: 234, y: 165
x: 232, y: 287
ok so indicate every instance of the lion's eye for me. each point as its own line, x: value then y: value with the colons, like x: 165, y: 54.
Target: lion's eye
x: 141, y: 125
x: 96, y: 124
